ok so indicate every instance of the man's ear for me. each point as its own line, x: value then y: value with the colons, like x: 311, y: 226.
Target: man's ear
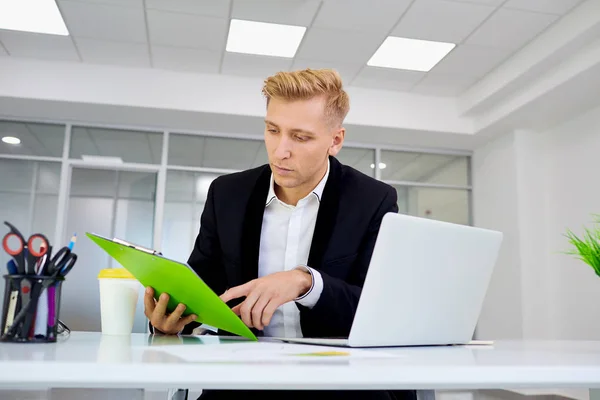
x: 337, y: 141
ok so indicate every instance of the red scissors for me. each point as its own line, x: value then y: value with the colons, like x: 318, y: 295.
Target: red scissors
x: 25, y: 253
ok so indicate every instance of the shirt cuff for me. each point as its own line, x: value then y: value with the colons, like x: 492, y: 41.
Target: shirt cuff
x: 310, y: 298
x: 153, y: 331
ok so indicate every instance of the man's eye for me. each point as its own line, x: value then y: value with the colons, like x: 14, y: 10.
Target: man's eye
x: 272, y: 130
x: 301, y: 138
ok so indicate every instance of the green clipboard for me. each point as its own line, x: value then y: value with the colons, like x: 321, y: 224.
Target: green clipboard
x: 178, y: 280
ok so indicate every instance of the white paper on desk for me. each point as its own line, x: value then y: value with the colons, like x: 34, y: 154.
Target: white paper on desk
x: 261, y: 352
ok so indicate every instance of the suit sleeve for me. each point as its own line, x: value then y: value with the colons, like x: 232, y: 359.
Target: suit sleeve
x: 334, y: 312
x: 206, y: 254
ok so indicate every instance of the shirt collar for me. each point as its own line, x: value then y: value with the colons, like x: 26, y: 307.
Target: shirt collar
x: 317, y: 191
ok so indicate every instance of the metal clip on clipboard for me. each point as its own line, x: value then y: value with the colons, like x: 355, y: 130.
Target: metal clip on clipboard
x: 134, y: 246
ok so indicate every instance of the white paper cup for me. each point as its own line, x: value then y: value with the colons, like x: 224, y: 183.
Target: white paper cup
x: 119, y: 292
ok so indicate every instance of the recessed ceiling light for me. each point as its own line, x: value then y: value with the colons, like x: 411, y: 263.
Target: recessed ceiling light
x: 11, y: 140
x: 381, y: 165
x: 39, y: 16
x: 411, y: 54
x: 264, y: 39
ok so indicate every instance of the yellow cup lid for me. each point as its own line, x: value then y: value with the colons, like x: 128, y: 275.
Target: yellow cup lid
x: 115, y: 273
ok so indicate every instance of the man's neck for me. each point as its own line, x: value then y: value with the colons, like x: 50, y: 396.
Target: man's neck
x: 292, y: 196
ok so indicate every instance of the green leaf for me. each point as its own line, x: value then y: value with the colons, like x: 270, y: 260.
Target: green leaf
x: 587, y: 246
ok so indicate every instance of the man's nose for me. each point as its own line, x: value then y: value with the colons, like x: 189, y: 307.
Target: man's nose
x: 283, y: 149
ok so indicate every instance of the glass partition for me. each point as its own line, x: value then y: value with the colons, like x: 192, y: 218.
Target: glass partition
x: 126, y: 145
x: 214, y: 152
x: 427, y: 168
x: 34, y: 139
x: 449, y: 205
x: 360, y: 159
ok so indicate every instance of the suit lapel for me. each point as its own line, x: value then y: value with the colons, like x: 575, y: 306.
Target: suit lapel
x: 255, y: 210
x: 327, y: 215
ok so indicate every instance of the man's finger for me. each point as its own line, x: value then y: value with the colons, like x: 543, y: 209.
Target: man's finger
x: 236, y: 309
x: 246, y: 309
x: 149, y: 303
x: 269, y: 311
x: 237, y: 291
x: 184, y: 321
x: 257, y: 311
x: 173, y: 319
x: 161, y: 306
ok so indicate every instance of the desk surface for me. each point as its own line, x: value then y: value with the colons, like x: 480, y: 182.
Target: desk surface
x: 141, y: 361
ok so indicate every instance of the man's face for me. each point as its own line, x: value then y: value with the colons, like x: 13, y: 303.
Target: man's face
x: 299, y: 138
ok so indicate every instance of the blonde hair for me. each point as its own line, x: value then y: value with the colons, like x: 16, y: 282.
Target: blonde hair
x: 308, y: 83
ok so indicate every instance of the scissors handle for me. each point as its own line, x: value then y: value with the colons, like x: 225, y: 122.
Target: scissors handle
x: 68, y: 265
x: 63, y: 260
x: 35, y: 253
x: 26, y: 253
x: 16, y: 252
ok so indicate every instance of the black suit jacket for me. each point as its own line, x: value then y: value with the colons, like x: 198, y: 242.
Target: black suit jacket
x: 350, y: 213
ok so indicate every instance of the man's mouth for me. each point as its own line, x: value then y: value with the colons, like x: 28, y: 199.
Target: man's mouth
x: 282, y: 169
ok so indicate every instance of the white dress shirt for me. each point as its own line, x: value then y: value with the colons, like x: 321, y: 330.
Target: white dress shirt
x: 285, y: 240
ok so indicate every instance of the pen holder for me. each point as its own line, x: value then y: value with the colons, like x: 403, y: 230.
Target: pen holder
x: 30, y: 308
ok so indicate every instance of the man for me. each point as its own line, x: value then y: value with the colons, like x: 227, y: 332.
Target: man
x: 288, y: 244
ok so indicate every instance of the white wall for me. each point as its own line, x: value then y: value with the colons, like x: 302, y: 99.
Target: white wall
x: 574, y: 190
x: 495, y: 207
x: 533, y: 186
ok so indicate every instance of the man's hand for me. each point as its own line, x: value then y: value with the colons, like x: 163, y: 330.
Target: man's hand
x: 156, y: 312
x: 264, y: 295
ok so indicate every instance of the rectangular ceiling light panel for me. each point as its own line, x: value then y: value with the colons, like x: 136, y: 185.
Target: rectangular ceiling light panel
x: 39, y: 16
x: 263, y: 38
x: 410, y: 54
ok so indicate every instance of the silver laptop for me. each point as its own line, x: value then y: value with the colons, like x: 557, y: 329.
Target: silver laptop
x: 426, y: 285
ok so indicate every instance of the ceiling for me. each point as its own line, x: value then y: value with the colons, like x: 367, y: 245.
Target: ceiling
x: 190, y: 35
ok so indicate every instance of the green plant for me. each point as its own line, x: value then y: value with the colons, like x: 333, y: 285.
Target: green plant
x: 587, y: 247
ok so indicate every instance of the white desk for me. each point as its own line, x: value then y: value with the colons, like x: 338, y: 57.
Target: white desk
x: 89, y: 360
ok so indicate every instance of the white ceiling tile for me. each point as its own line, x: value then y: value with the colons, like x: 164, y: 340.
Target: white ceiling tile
x: 182, y: 59
x: 386, y: 78
x: 471, y: 60
x: 510, y: 29
x: 376, y: 16
x: 181, y: 30
x: 443, y: 85
x: 294, y: 12
x: 253, y: 65
x: 37, y: 45
x: 486, y: 2
x: 338, y: 46
x: 441, y: 20
x: 122, y: 3
x: 346, y: 70
x: 210, y: 8
x: 116, y: 53
x: 103, y: 21
x: 558, y: 7
x: 371, y: 83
